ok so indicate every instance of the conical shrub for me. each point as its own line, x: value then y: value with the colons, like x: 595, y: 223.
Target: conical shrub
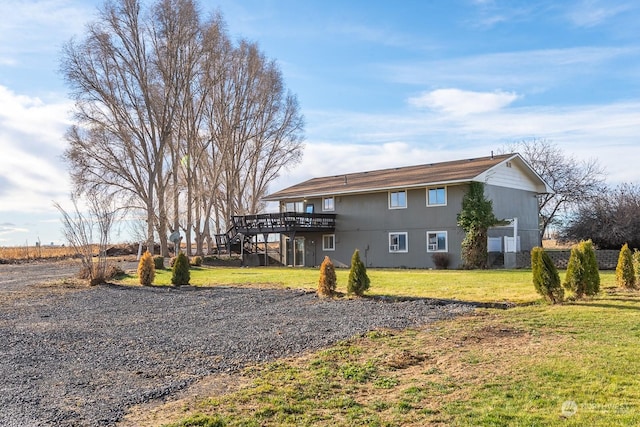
x: 591, y: 274
x: 146, y: 269
x: 328, y: 281
x: 180, y: 273
x: 358, y: 280
x: 545, y: 276
x: 582, y: 276
x: 625, y: 274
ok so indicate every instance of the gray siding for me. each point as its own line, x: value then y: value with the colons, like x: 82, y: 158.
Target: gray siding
x: 364, y: 222
x: 510, y: 203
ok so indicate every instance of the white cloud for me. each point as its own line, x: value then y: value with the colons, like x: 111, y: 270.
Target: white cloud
x: 591, y: 13
x: 460, y: 102
x: 31, y: 136
x: 343, y: 142
x: 32, y: 23
x: 526, y: 70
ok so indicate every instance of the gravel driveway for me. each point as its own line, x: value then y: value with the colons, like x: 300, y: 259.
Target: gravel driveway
x: 82, y: 358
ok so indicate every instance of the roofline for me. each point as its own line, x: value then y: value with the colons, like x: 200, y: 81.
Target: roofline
x: 368, y: 190
x: 547, y: 187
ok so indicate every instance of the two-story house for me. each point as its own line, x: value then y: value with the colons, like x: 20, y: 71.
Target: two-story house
x: 399, y: 217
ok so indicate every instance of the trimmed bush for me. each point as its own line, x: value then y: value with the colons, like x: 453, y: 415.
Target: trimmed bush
x: 358, y: 280
x: 636, y: 264
x: 545, y: 276
x: 328, y: 280
x: 591, y: 273
x: 441, y: 260
x: 196, y: 261
x: 158, y: 262
x: 582, y: 276
x: 625, y: 274
x: 146, y: 269
x: 180, y: 272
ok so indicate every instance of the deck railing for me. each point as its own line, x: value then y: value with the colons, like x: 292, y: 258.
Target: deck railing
x: 283, y: 222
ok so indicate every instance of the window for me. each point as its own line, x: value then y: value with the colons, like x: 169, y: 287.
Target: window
x: 437, y: 196
x: 397, y: 199
x: 328, y: 204
x: 294, y: 207
x: 329, y: 242
x: 436, y: 241
x: 398, y: 242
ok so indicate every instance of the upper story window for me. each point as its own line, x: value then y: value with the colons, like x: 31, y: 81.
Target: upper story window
x: 398, y: 242
x: 294, y: 207
x: 328, y: 204
x: 437, y: 196
x: 397, y: 199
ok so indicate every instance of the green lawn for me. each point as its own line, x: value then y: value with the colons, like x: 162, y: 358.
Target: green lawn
x: 482, y: 286
x: 573, y: 364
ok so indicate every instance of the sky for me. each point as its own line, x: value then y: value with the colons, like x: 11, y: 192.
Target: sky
x: 380, y: 84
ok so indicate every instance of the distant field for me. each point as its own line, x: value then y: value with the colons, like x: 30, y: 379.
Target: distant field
x: 23, y: 253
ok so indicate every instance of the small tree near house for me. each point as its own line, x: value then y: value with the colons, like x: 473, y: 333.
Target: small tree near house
x: 328, y: 281
x: 475, y: 218
x: 625, y: 274
x: 358, y: 280
x: 545, y: 276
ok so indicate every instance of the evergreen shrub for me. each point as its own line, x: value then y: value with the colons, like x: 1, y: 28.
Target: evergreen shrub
x: 358, y: 280
x: 328, y: 280
x: 158, y: 262
x: 146, y: 269
x: 582, y: 276
x: 180, y: 272
x: 545, y: 276
x: 625, y: 274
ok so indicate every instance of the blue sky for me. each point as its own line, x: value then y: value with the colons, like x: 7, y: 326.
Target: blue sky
x: 381, y: 84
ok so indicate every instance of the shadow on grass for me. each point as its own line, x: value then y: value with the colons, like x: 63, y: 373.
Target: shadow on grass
x: 605, y: 305
x: 442, y: 301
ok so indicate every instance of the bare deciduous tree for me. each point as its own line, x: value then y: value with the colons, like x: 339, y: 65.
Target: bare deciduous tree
x: 79, y: 228
x: 170, y: 113
x: 574, y: 182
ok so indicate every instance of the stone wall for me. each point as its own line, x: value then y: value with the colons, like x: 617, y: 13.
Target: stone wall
x: 607, y: 259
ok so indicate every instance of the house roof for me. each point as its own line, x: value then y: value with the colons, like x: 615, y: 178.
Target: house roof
x: 451, y: 172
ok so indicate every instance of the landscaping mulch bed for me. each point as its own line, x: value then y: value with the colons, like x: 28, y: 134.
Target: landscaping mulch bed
x: 83, y: 357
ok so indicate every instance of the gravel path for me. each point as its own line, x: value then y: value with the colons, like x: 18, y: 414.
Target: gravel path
x: 82, y: 358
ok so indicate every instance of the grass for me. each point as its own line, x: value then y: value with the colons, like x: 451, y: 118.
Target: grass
x: 482, y: 286
x: 567, y: 365
x: 572, y: 364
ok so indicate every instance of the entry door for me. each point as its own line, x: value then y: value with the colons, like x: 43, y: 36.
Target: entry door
x: 295, y: 252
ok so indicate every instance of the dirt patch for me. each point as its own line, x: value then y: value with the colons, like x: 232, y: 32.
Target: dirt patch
x: 172, y: 410
x: 426, y: 368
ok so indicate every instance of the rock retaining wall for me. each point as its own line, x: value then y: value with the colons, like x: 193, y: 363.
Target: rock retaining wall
x: 607, y: 259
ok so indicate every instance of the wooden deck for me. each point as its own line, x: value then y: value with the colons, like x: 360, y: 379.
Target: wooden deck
x: 284, y: 222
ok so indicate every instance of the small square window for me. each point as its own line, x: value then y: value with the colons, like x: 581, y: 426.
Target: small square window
x: 437, y: 196
x: 397, y: 199
x: 398, y: 242
x: 436, y: 241
x: 328, y: 204
x: 329, y: 242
